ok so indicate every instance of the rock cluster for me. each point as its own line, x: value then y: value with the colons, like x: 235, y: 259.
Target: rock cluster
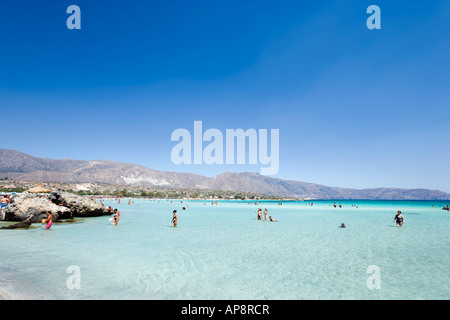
x: 78, y: 206
x: 27, y: 208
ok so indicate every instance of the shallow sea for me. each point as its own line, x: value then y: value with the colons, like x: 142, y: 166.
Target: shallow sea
x: 223, y: 252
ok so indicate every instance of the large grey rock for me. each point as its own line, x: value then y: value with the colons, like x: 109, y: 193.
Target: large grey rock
x: 28, y: 208
x: 78, y: 206
x: 22, y: 224
x: 27, y: 205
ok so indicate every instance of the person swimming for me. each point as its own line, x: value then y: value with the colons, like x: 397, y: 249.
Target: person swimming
x: 399, y: 219
x: 342, y: 225
x: 272, y: 219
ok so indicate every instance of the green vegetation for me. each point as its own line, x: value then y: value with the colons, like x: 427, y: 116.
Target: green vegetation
x: 10, y: 190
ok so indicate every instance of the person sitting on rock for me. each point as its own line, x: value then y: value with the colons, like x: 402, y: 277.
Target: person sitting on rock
x: 64, y: 204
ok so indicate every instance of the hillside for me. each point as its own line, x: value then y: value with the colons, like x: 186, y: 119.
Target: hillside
x: 19, y: 166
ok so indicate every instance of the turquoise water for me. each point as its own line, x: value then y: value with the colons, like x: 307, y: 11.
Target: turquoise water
x: 223, y: 252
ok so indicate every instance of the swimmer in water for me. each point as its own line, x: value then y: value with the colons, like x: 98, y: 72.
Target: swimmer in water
x: 265, y: 214
x: 272, y: 219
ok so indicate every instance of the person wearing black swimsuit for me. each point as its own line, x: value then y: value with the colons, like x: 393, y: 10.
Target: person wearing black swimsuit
x: 399, y: 219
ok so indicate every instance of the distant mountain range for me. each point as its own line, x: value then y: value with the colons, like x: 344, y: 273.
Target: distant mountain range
x: 19, y: 166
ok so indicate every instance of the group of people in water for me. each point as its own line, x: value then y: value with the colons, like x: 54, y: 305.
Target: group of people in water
x: 399, y: 219
x: 259, y: 216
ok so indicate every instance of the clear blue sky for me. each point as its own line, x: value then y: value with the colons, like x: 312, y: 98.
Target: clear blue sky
x: 355, y: 107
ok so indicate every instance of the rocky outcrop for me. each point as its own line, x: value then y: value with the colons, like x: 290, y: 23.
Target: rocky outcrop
x: 27, y: 208
x: 22, y: 224
x: 77, y: 206
x: 27, y: 205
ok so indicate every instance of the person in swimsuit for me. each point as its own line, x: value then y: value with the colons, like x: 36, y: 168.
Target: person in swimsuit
x: 272, y: 219
x: 259, y: 214
x: 4, y: 202
x: 49, y: 220
x: 265, y: 214
x: 116, y: 217
x: 174, y: 218
x: 399, y: 219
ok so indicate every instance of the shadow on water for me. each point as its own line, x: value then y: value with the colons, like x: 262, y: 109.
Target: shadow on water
x: 37, y: 225
x: 68, y: 221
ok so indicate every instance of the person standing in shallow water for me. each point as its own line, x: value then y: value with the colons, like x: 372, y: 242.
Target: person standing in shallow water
x: 399, y: 219
x: 174, y: 218
x: 49, y: 220
x: 265, y: 214
x: 259, y: 214
x: 116, y: 217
